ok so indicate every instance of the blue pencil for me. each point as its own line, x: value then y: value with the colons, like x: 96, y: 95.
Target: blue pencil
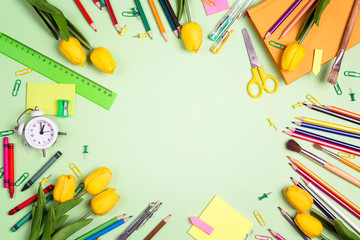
x: 326, y: 129
x: 168, y: 16
x: 108, y: 229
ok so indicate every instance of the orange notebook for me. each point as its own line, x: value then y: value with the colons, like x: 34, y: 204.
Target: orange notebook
x: 326, y: 36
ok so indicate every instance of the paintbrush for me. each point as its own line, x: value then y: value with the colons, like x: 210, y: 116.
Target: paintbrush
x: 334, y: 73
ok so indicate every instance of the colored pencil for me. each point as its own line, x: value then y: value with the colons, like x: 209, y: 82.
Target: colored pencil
x: 11, y: 169
x: 28, y: 216
x: 109, y: 228
x: 97, y: 3
x: 6, y: 162
x: 332, y: 206
x: 157, y: 228
x: 85, y: 14
x: 329, y: 125
x: 291, y: 221
x: 173, y: 15
x: 158, y: 19
x: 169, y: 18
x: 329, y: 130
x: 29, y: 201
x: 342, y: 111
x: 323, y: 143
x: 326, y: 139
x: 42, y: 170
x: 316, y: 201
x: 112, y: 15
x: 143, y: 18
x: 335, y: 114
x: 297, y: 18
x: 100, y: 227
x: 312, y: 177
x: 276, y: 235
x: 282, y: 18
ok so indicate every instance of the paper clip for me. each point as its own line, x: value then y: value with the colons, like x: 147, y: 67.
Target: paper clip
x: 351, y: 74
x: 6, y: 133
x: 79, y: 188
x: 132, y: 13
x: 259, y: 218
x: 16, y: 87
x: 277, y: 45
x: 261, y: 237
x: 75, y: 170
x: 210, y: 3
x: 23, y: 71
x: 1, y: 172
x: 313, y: 100
x: 338, y: 89
x: 102, y: 3
x: 21, y: 179
x: 346, y: 155
x: 26, y: 146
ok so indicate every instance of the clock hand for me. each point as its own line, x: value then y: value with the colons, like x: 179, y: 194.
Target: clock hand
x: 42, y: 128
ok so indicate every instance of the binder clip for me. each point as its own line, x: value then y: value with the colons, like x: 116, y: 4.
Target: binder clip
x: 63, y: 108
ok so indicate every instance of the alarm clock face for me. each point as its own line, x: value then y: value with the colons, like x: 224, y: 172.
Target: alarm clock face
x: 41, y: 132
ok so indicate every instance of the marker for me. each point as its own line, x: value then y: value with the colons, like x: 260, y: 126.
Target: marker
x: 6, y: 162
x: 11, y: 169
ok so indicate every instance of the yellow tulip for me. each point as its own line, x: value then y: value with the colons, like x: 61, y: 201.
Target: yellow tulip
x: 98, y: 180
x: 103, y: 60
x: 65, y: 188
x: 102, y: 203
x: 73, y: 51
x: 292, y: 57
x: 299, y: 198
x: 192, y: 36
x: 308, y: 224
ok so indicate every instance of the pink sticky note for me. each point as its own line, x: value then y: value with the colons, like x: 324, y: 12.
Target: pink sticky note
x: 202, y: 225
x: 215, y: 6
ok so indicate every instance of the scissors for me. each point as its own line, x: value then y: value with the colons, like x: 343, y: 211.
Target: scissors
x: 259, y: 75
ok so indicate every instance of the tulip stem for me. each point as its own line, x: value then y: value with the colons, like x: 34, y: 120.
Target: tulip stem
x: 81, y: 40
x: 86, y: 215
x: 187, y: 10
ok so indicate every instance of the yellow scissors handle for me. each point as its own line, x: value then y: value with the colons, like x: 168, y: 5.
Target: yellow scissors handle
x: 264, y: 77
x: 255, y: 80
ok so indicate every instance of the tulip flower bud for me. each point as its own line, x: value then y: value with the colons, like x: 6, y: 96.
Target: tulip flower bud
x: 65, y: 188
x: 192, y: 36
x: 73, y: 51
x: 103, y: 60
x: 299, y: 198
x: 98, y: 180
x: 308, y: 224
x: 292, y: 57
x: 102, y: 203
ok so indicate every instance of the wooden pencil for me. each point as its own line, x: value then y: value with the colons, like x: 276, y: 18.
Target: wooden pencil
x: 173, y: 15
x: 335, y: 114
x: 158, y: 19
x: 342, y: 111
x: 330, y: 125
x: 157, y: 228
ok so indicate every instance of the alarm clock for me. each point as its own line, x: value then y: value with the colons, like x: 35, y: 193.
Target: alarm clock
x: 40, y: 132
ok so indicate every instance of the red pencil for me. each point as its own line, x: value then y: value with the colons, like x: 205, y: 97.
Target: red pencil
x: 342, y: 111
x: 11, y: 169
x: 29, y: 201
x: 112, y: 15
x: 97, y: 4
x: 85, y: 14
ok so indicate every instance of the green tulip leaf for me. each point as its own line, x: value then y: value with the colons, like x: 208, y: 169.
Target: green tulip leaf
x: 60, y: 221
x: 344, y: 232
x: 181, y: 5
x: 46, y: 23
x: 320, y: 7
x: 37, y: 217
x: 62, y: 25
x: 74, y: 29
x: 49, y: 225
x: 63, y: 208
x: 44, y: 5
x: 306, y: 27
x: 65, y: 232
x: 326, y: 222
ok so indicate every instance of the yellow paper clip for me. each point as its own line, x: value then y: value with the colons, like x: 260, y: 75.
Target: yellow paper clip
x: 75, y: 170
x: 272, y: 123
x: 259, y: 218
x: 141, y: 35
x: 23, y: 71
x: 46, y: 179
x: 123, y: 29
x: 262, y: 237
x: 313, y: 100
x: 209, y: 2
x: 299, y: 104
x: 346, y: 155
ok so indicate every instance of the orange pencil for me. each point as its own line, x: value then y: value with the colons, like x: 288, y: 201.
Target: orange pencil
x: 342, y: 111
x: 157, y: 18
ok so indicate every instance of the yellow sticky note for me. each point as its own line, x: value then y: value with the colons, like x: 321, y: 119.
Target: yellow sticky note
x: 46, y: 95
x: 317, y: 61
x: 228, y: 224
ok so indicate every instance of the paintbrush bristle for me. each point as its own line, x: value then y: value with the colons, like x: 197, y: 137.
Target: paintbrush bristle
x: 292, y: 145
x: 317, y: 146
x: 333, y: 77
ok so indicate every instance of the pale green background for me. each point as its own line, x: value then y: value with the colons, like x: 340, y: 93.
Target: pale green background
x: 182, y: 128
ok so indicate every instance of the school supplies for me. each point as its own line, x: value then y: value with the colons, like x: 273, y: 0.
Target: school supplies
x: 123, y: 30
x: 42, y: 170
x: 259, y: 218
x: 326, y: 37
x: 329, y: 125
x: 46, y: 179
x: 85, y: 14
x: 227, y: 222
x: 112, y: 15
x: 157, y: 228
x: 334, y: 73
x: 16, y: 87
x: 23, y: 71
x: 292, y: 223
x: 276, y: 235
x: 109, y: 228
x: 342, y: 111
x: 173, y: 16
x: 6, y: 162
x: 6, y: 133
x: 56, y: 71
x: 215, y: 6
x: 259, y: 76
x: 97, y: 3
x: 75, y: 170
x: 29, y: 201
x: 272, y: 123
x: 197, y: 222
x: 141, y: 35
x: 11, y: 169
x: 168, y: 16
x: 352, y: 74
x: 335, y: 114
x: 337, y: 89
x: 85, y: 152
x: 317, y: 61
x: 158, y: 19
x: 299, y: 104
x: 21, y: 179
x: 265, y: 195
x: 143, y: 18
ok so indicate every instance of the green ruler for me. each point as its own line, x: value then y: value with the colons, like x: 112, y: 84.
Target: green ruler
x: 56, y: 71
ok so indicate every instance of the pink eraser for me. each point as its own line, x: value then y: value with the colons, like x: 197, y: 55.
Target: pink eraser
x: 202, y: 225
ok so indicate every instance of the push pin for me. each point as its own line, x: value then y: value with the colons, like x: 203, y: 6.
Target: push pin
x: 46, y: 179
x: 272, y: 124
x: 141, y: 35
x: 352, y: 95
x: 265, y: 195
x: 123, y: 29
x: 299, y: 104
x: 85, y: 152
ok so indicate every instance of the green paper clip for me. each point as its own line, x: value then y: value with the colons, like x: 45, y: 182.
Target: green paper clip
x: 79, y: 188
x: 63, y: 108
x: 277, y: 45
x: 22, y: 179
x: 16, y: 87
x: 6, y: 133
x: 132, y: 13
x: 352, y: 74
x: 1, y: 172
x: 102, y: 3
x: 338, y: 89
